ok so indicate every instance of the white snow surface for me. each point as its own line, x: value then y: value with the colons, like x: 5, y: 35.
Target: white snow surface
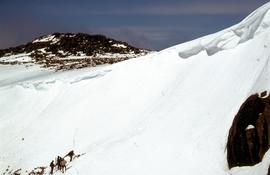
x: 47, y: 39
x: 250, y: 127
x: 157, y: 114
x: 119, y: 45
x: 19, y: 57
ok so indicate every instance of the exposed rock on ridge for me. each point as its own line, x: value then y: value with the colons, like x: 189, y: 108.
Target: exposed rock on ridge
x: 249, y: 136
x: 71, y: 51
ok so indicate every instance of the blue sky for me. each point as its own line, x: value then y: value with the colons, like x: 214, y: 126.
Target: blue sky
x: 153, y: 24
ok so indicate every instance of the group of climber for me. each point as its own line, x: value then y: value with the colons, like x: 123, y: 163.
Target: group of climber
x: 60, y: 162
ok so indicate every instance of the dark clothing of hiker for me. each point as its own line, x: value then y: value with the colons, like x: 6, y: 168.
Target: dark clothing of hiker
x: 52, y: 167
x: 58, y: 160
x: 70, y: 155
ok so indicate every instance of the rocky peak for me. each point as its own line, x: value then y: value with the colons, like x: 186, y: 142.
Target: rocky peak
x: 69, y: 51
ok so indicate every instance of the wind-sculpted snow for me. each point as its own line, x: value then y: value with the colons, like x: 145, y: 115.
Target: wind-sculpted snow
x: 90, y: 76
x: 254, y: 24
x: 38, y: 79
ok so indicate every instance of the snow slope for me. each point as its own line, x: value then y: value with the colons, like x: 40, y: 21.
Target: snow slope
x: 158, y: 114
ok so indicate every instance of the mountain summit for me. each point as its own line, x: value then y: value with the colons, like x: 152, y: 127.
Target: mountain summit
x: 70, y: 51
x: 201, y: 107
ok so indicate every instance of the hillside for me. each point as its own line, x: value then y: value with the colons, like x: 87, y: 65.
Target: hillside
x: 65, y: 51
x: 201, y: 107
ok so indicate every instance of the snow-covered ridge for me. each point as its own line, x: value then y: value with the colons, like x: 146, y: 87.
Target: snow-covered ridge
x: 253, y: 25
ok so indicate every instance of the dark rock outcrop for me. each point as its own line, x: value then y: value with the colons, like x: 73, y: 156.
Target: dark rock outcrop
x: 249, y: 135
x: 71, y: 44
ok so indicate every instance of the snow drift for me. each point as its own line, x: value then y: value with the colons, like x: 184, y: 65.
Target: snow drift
x: 158, y: 114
